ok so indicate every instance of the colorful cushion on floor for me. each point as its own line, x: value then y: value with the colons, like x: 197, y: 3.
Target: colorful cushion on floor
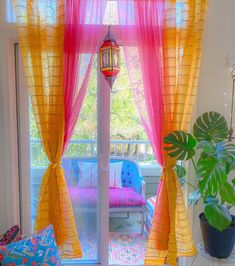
x: 37, y: 249
x: 12, y: 235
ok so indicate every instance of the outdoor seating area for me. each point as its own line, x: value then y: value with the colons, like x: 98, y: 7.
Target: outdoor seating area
x: 126, y: 185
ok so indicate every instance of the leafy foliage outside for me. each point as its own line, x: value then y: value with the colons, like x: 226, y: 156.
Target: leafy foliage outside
x: 124, y: 121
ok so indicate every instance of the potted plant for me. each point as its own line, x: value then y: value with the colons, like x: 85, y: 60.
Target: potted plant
x: 213, y: 162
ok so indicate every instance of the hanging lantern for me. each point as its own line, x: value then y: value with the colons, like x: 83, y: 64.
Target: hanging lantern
x: 110, y: 58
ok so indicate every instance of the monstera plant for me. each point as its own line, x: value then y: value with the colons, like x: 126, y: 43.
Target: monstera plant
x: 215, y: 161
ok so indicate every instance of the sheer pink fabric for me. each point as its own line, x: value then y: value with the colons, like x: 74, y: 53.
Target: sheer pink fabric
x: 143, y: 21
x: 83, y: 35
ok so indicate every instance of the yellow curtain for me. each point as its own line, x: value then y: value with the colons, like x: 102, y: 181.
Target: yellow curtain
x: 184, y: 21
x: 41, y: 35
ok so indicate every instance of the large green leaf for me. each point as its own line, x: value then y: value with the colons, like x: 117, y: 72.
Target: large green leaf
x: 207, y: 147
x: 210, y: 126
x: 226, y: 151
x: 212, y: 173
x: 227, y: 193
x: 233, y: 181
x: 180, y: 171
x: 181, y: 145
x: 218, y: 216
x: 211, y: 199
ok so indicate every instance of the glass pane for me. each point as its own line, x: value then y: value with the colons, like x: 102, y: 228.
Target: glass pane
x: 50, y: 7
x: 111, y: 13
x: 80, y: 167
x: 129, y: 150
x: 10, y: 12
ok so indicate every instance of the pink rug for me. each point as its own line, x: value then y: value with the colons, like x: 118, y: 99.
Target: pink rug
x: 127, y: 249
x: 124, y: 248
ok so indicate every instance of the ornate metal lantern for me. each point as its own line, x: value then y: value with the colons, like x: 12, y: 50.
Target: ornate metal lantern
x: 110, y: 58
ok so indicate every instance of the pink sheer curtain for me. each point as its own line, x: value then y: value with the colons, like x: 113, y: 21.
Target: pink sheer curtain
x: 162, y: 30
x: 143, y: 21
x: 83, y: 35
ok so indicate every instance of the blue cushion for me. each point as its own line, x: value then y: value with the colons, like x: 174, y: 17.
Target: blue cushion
x: 37, y: 249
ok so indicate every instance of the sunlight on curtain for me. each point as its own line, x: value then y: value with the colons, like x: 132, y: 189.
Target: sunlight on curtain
x: 182, y: 40
x: 163, y: 64
x: 41, y: 34
x: 142, y: 20
x: 81, y: 44
x: 83, y: 35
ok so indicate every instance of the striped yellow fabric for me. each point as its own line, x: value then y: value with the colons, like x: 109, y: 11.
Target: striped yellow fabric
x: 41, y: 35
x: 184, y: 21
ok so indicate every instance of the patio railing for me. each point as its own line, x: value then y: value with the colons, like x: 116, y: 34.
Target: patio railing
x: 140, y: 150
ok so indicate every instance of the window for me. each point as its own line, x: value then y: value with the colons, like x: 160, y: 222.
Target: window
x: 110, y: 14
x: 83, y: 141
x: 127, y: 139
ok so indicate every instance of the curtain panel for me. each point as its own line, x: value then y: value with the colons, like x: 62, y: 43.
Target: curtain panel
x: 183, y: 28
x: 81, y: 43
x: 58, y: 49
x: 163, y: 67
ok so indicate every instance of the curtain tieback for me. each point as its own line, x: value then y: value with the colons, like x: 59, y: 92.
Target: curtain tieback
x: 55, y: 164
x: 167, y: 169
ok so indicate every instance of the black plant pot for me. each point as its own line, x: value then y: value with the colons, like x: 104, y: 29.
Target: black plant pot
x: 217, y: 244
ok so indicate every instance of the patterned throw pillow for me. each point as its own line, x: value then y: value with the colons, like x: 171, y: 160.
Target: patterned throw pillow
x: 37, y: 249
x: 12, y: 235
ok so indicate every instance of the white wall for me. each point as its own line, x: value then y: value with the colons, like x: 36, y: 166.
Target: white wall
x: 218, y: 56
x: 2, y: 179
x: 215, y: 79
